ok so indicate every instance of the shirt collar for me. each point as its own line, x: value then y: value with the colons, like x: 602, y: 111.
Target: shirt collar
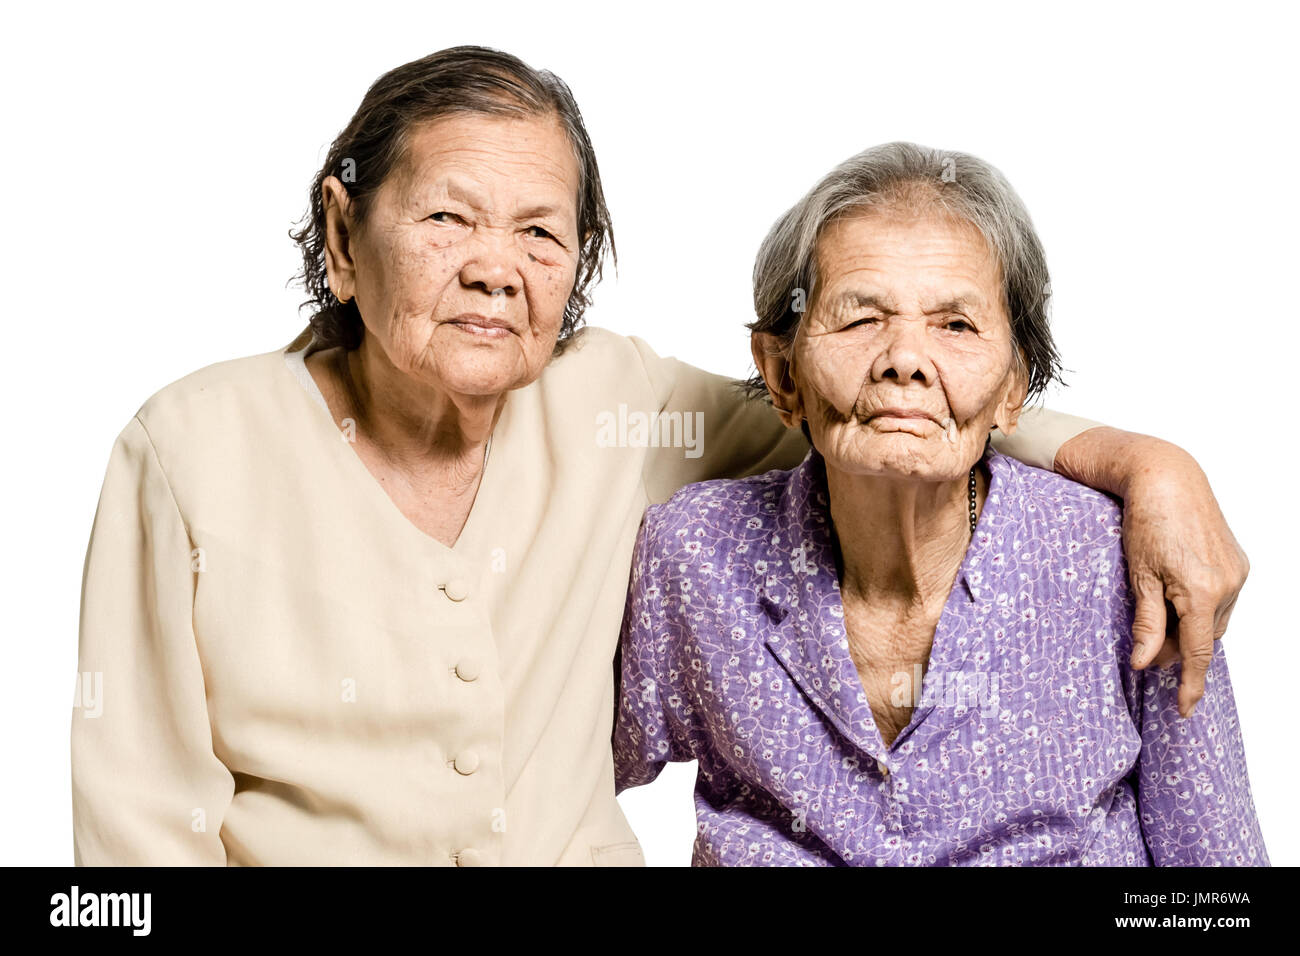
x: 797, y: 588
x: 803, y: 536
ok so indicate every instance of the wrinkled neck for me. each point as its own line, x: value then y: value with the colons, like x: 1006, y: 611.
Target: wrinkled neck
x: 413, y: 420
x: 413, y: 426
x: 900, y: 540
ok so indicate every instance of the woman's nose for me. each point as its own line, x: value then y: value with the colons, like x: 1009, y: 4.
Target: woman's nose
x: 491, y: 267
x: 903, y: 358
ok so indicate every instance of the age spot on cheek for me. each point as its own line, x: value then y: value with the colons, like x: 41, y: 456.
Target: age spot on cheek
x: 531, y: 257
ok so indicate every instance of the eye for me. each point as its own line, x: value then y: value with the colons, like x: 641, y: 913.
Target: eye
x: 537, y: 232
x: 959, y: 325
x: 442, y: 216
x: 865, y: 320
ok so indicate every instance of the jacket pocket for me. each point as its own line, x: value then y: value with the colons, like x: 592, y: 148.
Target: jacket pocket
x: 618, y: 854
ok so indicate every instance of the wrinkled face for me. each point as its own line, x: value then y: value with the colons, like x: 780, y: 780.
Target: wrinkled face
x: 469, y: 252
x: 904, y: 361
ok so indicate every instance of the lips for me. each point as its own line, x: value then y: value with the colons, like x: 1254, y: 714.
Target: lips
x: 481, y: 325
x: 915, y: 413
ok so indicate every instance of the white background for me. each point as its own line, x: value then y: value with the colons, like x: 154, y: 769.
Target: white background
x: 154, y: 160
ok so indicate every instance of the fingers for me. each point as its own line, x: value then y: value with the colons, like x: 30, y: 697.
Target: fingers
x: 1169, y: 653
x: 1196, y: 641
x: 1148, y: 620
x: 1221, y: 617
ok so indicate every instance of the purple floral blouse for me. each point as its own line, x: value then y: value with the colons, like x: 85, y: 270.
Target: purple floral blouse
x: 1032, y: 742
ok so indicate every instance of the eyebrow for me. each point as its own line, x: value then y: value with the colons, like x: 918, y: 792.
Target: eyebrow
x: 469, y: 197
x: 454, y: 190
x: 538, y: 212
x: 866, y: 301
x: 882, y: 303
x: 962, y: 303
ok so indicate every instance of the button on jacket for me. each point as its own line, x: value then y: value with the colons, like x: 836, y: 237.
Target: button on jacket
x: 293, y: 673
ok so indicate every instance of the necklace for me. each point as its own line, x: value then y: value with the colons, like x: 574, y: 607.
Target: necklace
x: 971, y: 487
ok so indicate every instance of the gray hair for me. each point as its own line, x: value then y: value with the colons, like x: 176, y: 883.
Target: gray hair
x: 905, y: 174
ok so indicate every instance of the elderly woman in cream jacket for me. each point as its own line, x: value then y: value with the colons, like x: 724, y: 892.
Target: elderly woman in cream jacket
x: 356, y: 601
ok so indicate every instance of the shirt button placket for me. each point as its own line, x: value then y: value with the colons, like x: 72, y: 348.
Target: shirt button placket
x: 468, y: 669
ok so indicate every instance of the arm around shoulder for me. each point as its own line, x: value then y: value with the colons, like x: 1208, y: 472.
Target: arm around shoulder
x: 724, y: 433
x: 1039, y: 435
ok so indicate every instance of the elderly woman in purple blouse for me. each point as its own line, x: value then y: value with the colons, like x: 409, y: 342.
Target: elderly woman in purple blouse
x: 912, y: 649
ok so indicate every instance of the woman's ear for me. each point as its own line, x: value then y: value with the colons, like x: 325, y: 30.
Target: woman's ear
x: 1007, y: 415
x: 773, y: 363
x: 339, y: 263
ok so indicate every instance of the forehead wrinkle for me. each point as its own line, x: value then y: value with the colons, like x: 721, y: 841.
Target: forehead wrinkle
x: 420, y: 169
x: 961, y: 231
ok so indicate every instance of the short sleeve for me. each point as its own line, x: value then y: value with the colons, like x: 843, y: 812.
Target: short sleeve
x: 147, y: 788
x: 724, y: 434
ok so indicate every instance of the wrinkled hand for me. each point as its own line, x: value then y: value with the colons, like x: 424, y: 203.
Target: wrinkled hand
x: 1185, y: 566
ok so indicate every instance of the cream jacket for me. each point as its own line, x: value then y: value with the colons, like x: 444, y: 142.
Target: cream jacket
x: 276, y: 667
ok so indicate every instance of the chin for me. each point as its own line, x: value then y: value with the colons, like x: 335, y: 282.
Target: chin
x: 480, y: 378
x: 892, y: 455
x: 471, y: 368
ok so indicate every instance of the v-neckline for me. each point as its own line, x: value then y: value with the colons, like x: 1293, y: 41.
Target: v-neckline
x: 941, y: 652
x: 833, y: 659
x: 949, y: 656
x: 323, y: 414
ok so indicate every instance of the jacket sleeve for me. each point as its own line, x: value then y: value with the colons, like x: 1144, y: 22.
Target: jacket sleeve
x: 724, y: 433
x: 147, y: 788
x: 1039, y: 436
